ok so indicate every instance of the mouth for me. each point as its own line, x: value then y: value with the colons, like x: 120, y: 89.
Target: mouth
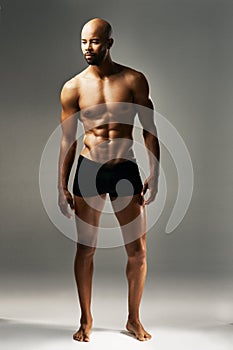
x: 89, y: 55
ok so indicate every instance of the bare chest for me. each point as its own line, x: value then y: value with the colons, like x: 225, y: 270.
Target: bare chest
x: 97, y: 92
x: 104, y: 102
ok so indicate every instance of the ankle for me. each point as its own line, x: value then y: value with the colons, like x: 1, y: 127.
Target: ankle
x: 133, y: 319
x: 86, y: 319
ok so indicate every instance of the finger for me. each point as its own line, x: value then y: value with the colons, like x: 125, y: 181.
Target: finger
x: 68, y: 215
x: 72, y: 204
x: 141, y: 199
x: 64, y: 210
x: 144, y: 189
x: 150, y: 199
x: 70, y: 201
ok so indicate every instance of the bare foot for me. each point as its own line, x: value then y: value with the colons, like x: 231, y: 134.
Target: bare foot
x: 83, y: 334
x: 136, y: 328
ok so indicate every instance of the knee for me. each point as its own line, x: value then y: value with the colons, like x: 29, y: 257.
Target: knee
x: 84, y: 251
x: 138, y: 257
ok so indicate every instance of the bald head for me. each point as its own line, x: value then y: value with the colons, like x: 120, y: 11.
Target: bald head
x: 97, y: 26
x: 96, y: 41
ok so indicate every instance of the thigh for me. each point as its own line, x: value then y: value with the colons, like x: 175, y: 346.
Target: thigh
x: 87, y: 215
x: 131, y: 215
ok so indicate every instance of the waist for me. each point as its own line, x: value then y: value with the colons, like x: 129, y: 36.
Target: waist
x: 110, y: 164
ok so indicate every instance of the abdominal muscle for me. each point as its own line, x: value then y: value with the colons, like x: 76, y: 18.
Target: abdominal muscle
x: 109, y: 144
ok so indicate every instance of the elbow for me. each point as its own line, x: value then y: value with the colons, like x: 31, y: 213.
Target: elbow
x: 69, y: 142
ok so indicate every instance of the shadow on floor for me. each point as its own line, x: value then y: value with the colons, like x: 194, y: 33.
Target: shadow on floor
x: 10, y: 328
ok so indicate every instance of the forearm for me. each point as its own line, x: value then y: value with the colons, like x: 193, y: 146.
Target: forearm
x: 153, y: 150
x: 66, y: 160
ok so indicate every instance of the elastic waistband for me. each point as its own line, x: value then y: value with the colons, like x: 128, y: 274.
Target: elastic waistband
x: 125, y: 162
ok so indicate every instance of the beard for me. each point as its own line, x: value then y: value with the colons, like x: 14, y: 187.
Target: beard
x: 95, y: 60
x: 92, y: 61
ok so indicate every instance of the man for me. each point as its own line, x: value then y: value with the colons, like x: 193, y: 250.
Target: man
x: 96, y: 94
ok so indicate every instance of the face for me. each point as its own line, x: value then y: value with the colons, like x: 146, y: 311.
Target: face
x: 94, y: 46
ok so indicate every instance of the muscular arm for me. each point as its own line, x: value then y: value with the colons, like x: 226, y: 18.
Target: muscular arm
x: 146, y: 117
x: 68, y: 144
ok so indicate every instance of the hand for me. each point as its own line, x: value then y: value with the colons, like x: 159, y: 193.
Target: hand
x: 65, y: 199
x: 151, y: 184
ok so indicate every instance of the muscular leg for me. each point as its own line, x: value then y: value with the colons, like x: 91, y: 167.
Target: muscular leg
x: 134, y: 236
x: 87, y: 229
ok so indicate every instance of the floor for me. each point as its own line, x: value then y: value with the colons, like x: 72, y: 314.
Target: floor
x: 180, y: 313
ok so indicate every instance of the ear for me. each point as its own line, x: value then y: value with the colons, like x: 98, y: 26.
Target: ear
x: 110, y: 43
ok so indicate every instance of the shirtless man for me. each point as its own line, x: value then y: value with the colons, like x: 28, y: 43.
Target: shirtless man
x: 94, y: 93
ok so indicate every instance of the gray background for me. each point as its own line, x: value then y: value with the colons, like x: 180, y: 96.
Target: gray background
x: 185, y: 49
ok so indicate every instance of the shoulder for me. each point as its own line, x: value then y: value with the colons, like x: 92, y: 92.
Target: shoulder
x: 135, y: 78
x: 69, y: 96
x: 138, y: 85
x: 134, y: 74
x: 71, y: 88
x: 137, y: 82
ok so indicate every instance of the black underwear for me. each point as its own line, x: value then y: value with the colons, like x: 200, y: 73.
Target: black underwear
x: 93, y: 179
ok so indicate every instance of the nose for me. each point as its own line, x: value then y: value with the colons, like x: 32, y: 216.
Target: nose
x: 89, y: 46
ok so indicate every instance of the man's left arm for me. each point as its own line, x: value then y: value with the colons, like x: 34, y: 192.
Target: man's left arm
x: 145, y: 110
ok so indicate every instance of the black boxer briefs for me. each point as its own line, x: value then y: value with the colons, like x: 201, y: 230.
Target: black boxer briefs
x: 93, y: 178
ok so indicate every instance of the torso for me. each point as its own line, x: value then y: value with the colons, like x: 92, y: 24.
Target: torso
x: 107, y: 113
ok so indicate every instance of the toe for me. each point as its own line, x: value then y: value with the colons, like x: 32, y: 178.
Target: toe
x: 140, y: 337
x: 86, y: 337
x: 77, y: 336
x: 147, y: 336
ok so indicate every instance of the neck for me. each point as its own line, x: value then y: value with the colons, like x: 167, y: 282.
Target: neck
x: 105, y: 69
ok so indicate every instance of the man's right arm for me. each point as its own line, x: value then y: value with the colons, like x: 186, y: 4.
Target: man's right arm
x: 69, y: 102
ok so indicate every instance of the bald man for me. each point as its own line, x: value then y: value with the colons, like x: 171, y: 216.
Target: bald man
x: 107, y: 154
